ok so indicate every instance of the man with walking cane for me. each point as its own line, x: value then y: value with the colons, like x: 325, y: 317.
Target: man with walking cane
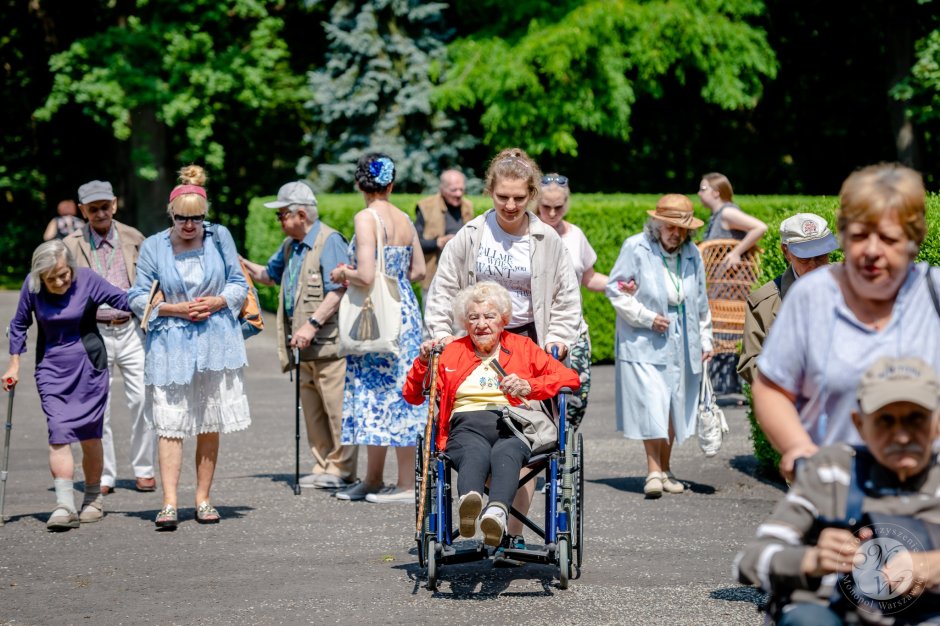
x: 306, y: 321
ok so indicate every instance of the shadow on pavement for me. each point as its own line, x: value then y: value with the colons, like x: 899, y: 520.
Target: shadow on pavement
x: 634, y: 484
x: 740, y: 594
x: 482, y: 581
x: 748, y: 464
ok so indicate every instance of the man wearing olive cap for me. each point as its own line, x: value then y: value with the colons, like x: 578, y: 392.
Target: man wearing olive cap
x: 817, y: 555
x: 806, y: 241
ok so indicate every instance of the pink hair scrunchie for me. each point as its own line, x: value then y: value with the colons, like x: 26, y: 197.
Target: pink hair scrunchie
x: 181, y: 189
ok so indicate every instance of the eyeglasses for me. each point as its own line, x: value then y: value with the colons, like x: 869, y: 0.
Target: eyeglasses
x: 283, y: 215
x: 562, y: 181
x: 98, y: 208
x: 195, y: 219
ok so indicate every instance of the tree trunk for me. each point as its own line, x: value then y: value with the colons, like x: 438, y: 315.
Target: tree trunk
x: 900, y: 48
x: 148, y: 179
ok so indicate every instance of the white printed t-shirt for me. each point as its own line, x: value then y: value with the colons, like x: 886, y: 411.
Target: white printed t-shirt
x: 506, y: 259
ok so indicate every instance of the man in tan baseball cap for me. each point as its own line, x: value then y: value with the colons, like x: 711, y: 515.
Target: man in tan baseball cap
x: 893, y: 476
x: 806, y: 241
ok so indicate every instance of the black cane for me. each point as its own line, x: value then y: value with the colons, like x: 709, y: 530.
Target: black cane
x: 297, y: 422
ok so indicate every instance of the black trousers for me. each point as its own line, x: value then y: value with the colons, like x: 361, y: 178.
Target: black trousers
x: 480, y: 445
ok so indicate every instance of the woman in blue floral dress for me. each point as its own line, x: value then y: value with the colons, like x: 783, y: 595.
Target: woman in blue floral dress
x: 374, y: 412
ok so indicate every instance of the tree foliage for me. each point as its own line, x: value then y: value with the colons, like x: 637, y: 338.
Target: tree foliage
x: 582, y: 66
x: 185, y: 82
x: 373, y: 94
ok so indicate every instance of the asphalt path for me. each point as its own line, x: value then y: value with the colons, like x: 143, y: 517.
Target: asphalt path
x: 277, y: 558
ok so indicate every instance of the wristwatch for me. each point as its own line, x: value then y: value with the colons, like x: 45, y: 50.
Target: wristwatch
x: 313, y: 322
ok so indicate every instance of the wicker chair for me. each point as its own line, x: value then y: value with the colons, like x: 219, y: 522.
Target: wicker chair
x: 728, y: 289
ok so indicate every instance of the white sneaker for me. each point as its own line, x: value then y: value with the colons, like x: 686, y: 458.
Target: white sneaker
x: 468, y: 509
x: 493, y: 525
x: 392, y: 495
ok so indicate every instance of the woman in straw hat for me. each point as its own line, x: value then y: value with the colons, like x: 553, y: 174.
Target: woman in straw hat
x: 664, y: 333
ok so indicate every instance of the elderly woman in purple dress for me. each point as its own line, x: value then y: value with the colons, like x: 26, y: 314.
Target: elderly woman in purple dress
x: 71, y: 371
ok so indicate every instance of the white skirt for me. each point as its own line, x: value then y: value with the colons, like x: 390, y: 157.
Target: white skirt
x: 212, y: 402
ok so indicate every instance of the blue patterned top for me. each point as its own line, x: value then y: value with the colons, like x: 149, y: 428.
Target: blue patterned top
x: 177, y: 347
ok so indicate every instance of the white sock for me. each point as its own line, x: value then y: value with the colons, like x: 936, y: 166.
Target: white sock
x: 64, y: 494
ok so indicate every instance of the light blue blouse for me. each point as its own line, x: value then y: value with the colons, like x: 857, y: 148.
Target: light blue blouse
x: 176, y: 347
x: 818, y: 350
x: 640, y: 260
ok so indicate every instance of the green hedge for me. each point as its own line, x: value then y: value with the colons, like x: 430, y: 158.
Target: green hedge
x: 606, y: 220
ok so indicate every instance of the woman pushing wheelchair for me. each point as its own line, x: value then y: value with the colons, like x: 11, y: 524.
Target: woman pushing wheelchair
x: 479, y: 376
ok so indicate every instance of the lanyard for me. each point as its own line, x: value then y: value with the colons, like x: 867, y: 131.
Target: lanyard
x: 103, y: 271
x: 293, y: 268
x: 675, y: 279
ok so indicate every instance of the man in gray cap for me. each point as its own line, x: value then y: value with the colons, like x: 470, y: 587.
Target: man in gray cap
x: 857, y: 520
x: 806, y: 241
x: 306, y: 319
x: 111, y: 248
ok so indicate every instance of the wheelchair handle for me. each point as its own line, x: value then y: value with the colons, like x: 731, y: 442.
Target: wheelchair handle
x: 555, y: 352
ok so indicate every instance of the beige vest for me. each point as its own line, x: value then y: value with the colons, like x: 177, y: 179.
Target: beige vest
x: 432, y: 209
x: 308, y: 295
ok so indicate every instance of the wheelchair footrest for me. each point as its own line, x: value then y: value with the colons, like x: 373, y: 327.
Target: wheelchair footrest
x: 530, y: 555
x: 451, y: 554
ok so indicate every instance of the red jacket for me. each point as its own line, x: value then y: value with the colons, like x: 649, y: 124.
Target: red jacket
x: 518, y: 355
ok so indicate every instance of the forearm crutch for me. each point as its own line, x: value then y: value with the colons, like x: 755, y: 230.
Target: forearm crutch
x: 6, y: 447
x: 297, y: 409
x: 428, y: 431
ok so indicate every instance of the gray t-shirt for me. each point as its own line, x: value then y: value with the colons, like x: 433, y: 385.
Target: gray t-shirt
x: 818, y: 350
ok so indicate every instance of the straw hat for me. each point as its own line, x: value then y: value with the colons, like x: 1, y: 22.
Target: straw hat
x: 676, y: 209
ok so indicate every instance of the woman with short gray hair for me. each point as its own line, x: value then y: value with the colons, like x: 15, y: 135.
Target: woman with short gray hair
x: 71, y: 371
x: 479, y: 293
x: 478, y: 376
x: 664, y: 334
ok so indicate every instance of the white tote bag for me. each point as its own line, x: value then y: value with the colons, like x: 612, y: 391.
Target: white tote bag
x: 370, y: 318
x: 710, y: 424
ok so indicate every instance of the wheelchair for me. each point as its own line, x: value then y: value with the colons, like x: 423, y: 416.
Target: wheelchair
x: 563, y: 530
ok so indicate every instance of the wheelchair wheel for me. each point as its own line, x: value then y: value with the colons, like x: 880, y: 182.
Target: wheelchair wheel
x: 564, y: 563
x: 579, y: 498
x: 432, y: 558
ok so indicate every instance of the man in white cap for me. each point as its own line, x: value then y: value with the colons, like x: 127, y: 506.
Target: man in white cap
x: 806, y: 241
x: 859, y: 521
x: 306, y: 319
x: 111, y: 248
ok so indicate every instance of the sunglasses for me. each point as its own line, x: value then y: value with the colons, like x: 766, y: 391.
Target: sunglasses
x: 561, y: 181
x: 195, y: 219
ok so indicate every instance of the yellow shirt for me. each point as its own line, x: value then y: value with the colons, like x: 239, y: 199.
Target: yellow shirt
x: 480, y: 391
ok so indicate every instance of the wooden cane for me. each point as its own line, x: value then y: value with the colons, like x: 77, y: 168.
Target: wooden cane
x: 428, y: 430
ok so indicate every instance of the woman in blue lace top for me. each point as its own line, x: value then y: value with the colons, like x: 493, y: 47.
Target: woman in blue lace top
x: 195, y: 350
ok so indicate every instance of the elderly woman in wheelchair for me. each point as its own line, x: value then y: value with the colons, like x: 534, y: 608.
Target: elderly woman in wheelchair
x: 484, y: 382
